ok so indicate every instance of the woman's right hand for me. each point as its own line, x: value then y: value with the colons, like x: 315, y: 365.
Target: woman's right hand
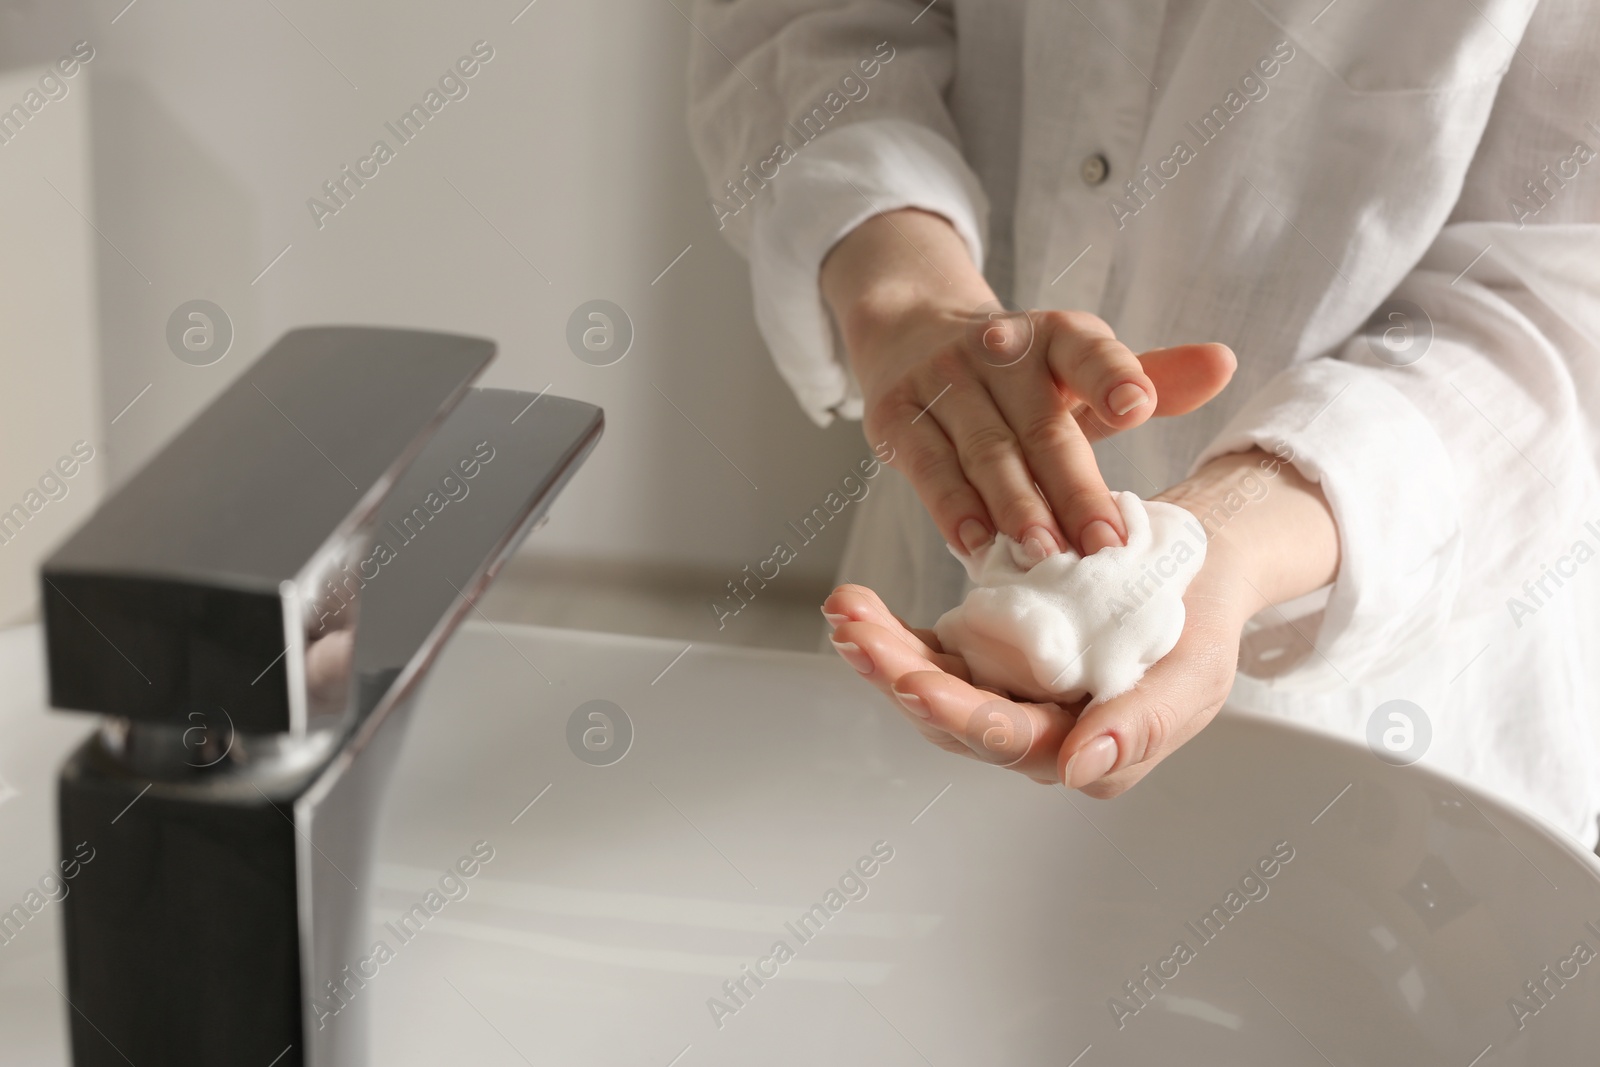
x: 991, y: 414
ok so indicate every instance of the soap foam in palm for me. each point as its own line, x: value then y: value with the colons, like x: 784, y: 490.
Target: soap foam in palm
x: 1071, y: 626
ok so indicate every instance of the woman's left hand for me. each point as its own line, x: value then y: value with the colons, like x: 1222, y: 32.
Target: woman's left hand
x: 1281, y: 543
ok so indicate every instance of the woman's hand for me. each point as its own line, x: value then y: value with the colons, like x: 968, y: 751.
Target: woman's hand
x: 1271, y: 538
x: 991, y: 414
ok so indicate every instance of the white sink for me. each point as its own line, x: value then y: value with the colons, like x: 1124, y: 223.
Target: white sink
x: 617, y: 905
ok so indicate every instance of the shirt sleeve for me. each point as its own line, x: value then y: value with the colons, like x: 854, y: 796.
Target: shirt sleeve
x: 808, y: 119
x: 1450, y: 436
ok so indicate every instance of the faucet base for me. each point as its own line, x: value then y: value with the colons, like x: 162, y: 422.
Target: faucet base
x: 174, y: 935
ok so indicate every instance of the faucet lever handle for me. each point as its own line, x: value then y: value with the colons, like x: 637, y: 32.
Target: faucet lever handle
x: 193, y: 586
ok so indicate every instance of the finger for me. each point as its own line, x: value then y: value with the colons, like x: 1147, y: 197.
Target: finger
x: 918, y: 710
x: 1186, y: 376
x: 858, y: 603
x: 1115, y: 744
x: 1001, y: 336
x: 1096, y: 368
x: 883, y: 654
x: 991, y: 457
x: 1062, y: 462
x: 926, y: 457
x: 883, y: 658
x: 993, y: 729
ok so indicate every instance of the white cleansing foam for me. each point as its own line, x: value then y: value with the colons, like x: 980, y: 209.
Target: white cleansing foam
x: 1071, y: 626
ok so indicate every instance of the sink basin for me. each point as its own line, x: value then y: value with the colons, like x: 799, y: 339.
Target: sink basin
x: 778, y: 870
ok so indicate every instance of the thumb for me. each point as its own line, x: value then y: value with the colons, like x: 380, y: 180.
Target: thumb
x: 1187, y: 376
x: 1114, y: 745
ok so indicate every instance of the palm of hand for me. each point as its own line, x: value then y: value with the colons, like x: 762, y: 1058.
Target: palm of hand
x: 1177, y: 697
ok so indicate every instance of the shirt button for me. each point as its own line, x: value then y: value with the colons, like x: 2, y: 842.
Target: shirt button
x: 1094, y: 170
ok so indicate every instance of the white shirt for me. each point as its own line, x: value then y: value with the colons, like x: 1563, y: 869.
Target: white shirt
x: 1281, y: 172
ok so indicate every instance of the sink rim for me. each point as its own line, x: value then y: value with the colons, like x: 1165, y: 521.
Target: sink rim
x: 1293, y: 728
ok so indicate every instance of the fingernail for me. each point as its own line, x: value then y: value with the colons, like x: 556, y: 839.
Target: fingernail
x: 1097, y: 535
x: 1037, y: 543
x: 834, y: 620
x: 1092, y: 762
x: 854, y: 656
x: 914, y: 704
x: 974, y: 535
x: 1125, y: 397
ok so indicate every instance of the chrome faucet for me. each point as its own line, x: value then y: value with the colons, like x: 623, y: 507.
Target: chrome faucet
x: 252, y: 614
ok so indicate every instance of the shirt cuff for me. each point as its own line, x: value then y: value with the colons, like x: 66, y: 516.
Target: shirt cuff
x: 829, y: 187
x: 1391, y: 486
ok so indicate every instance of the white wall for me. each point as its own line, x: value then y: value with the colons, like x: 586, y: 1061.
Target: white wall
x: 47, y: 301
x: 213, y: 123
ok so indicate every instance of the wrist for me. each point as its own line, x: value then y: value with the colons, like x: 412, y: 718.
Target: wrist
x: 1270, y: 533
